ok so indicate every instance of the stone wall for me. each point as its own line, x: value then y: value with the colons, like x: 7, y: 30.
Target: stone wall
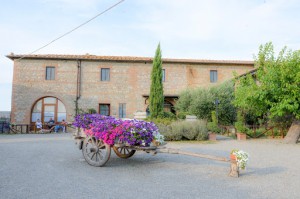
x: 29, y: 85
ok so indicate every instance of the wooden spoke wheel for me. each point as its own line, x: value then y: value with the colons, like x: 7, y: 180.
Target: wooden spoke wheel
x: 123, y: 152
x: 95, y: 151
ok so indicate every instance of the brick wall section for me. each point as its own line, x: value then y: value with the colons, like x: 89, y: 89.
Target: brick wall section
x: 29, y: 85
x: 128, y: 82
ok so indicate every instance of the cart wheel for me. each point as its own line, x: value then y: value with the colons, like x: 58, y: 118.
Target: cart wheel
x: 123, y: 152
x: 95, y: 151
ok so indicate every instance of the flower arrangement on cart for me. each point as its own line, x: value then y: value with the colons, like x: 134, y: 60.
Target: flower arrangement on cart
x: 123, y: 136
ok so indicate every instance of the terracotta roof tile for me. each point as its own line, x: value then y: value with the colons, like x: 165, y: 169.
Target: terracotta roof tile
x: 89, y: 57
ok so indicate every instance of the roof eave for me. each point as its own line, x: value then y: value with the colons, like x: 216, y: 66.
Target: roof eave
x: 132, y: 59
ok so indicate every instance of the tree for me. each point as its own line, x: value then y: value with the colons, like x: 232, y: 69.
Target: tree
x: 226, y: 110
x: 275, y: 91
x: 156, y: 90
x: 200, y: 102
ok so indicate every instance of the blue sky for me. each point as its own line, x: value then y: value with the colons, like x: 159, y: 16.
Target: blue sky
x: 202, y: 29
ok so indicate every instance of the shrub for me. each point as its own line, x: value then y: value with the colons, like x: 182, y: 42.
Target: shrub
x: 240, y: 124
x: 226, y: 109
x: 157, y: 121
x: 200, y: 102
x: 202, y: 131
x: 182, y: 115
x: 203, y: 135
x: 171, y: 134
x: 167, y: 115
x: 182, y: 128
x: 185, y: 130
x: 257, y: 132
x: 184, y: 102
x: 213, y: 125
x: 276, y: 132
x: 163, y: 129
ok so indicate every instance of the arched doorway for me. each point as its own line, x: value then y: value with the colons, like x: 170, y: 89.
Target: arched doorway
x: 48, y: 107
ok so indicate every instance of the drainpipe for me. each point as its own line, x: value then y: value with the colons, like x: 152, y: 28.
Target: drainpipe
x: 78, y: 91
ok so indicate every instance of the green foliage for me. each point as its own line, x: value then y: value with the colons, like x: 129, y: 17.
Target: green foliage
x: 91, y: 111
x: 165, y: 121
x: 247, y: 97
x: 164, y: 129
x: 184, y: 102
x: 156, y: 97
x: 276, y: 88
x: 181, y: 115
x: 213, y: 125
x: 283, y: 122
x: 200, y: 102
x: 175, y: 132
x: 240, y: 123
x: 167, y: 115
x: 276, y: 132
x: 201, y: 129
x: 203, y: 135
x: 226, y: 108
x: 256, y: 132
x: 183, y: 130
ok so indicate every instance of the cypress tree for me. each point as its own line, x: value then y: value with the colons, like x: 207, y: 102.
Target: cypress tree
x: 156, y: 90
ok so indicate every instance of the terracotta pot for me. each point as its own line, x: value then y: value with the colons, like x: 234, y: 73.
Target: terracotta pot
x: 232, y: 157
x: 155, y: 143
x: 212, y: 136
x: 241, y: 136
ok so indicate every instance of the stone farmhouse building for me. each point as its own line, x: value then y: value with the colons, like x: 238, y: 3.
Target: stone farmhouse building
x: 46, y: 86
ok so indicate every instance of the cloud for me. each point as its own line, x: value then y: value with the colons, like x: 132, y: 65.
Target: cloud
x: 243, y: 24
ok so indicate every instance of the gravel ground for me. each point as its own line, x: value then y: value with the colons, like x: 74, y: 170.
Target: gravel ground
x: 50, y: 166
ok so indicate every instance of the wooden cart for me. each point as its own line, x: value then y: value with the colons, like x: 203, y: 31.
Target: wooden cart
x: 97, y: 153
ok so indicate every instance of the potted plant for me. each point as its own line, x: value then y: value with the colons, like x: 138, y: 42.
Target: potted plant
x: 240, y: 127
x: 241, y: 157
x: 213, y: 127
x: 158, y: 139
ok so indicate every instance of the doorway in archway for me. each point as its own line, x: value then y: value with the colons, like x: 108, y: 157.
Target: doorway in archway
x: 48, y: 107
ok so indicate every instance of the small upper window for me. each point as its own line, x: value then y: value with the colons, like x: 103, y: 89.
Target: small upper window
x: 105, y: 74
x: 50, y: 73
x: 163, y: 75
x: 213, y: 76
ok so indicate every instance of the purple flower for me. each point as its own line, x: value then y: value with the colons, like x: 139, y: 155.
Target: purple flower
x: 110, y: 129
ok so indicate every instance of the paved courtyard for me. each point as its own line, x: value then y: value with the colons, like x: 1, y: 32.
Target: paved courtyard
x: 51, y: 166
